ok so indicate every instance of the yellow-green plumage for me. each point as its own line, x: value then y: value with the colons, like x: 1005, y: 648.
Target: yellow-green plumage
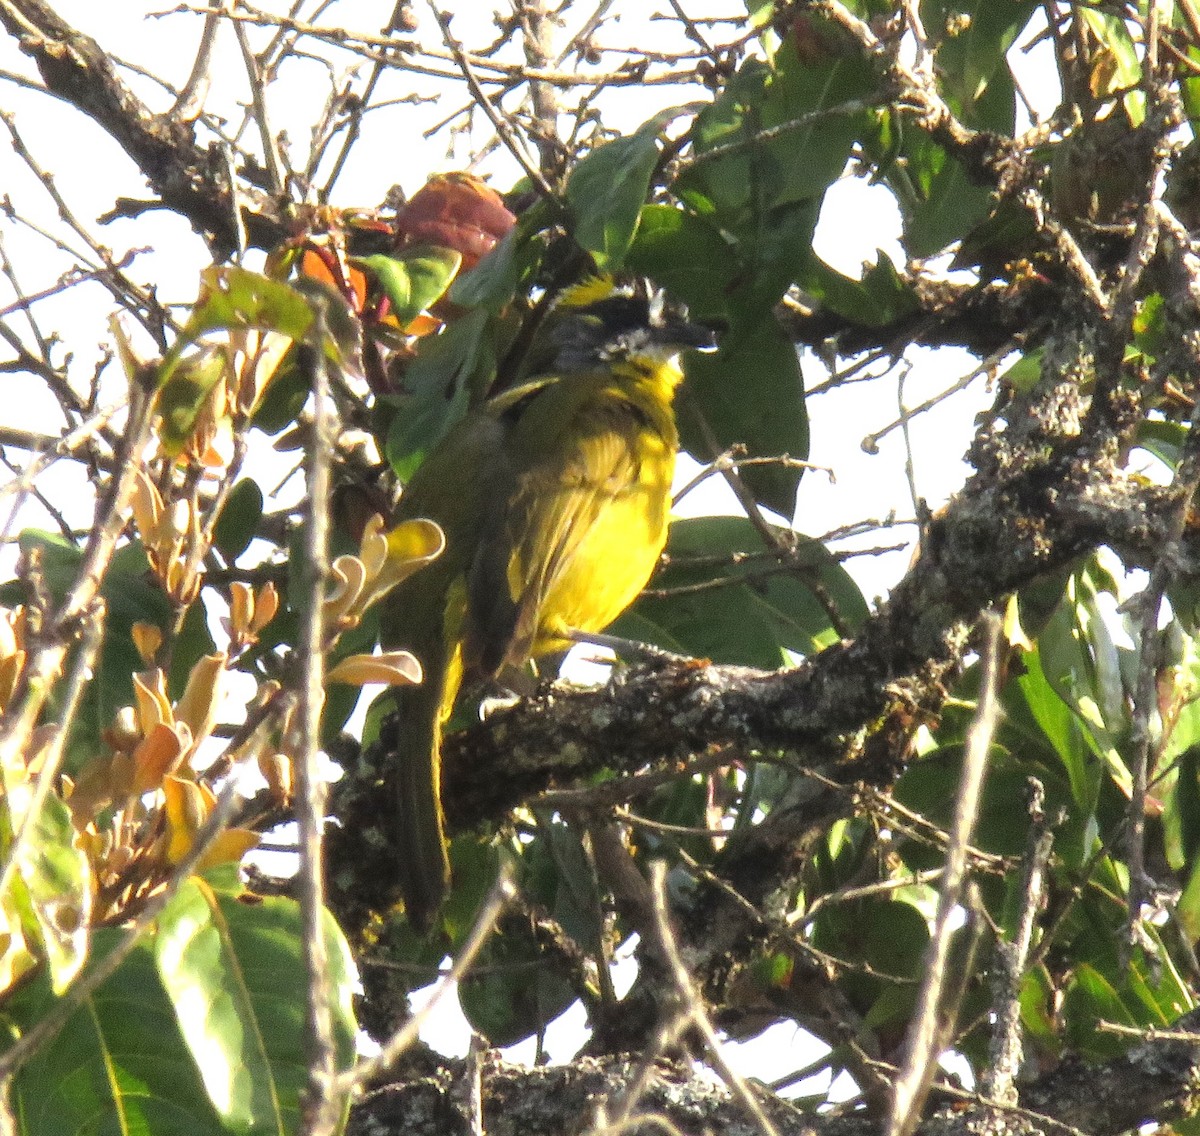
x: 555, y: 501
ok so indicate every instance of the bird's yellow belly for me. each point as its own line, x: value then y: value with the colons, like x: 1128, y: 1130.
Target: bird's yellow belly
x: 613, y: 560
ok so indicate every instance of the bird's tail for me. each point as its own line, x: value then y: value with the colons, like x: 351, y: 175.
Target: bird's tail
x: 424, y: 863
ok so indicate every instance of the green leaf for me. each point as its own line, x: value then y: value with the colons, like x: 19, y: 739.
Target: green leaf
x: 233, y: 968
x: 890, y: 936
x: 284, y: 399
x: 183, y: 395
x: 1080, y: 662
x: 461, y: 358
x: 1024, y: 374
x: 1062, y: 729
x: 750, y: 393
x: 417, y: 425
x: 930, y: 787
x: 1184, y: 810
x: 415, y: 279
x: 950, y: 204
x: 1162, y: 439
x: 239, y: 519
x: 1124, y: 66
x: 814, y: 107
x: 515, y: 990
x: 688, y: 255
x: 504, y: 271
x: 607, y: 189
x: 726, y: 184
x: 975, y: 37
x: 52, y: 887
x: 880, y: 298
x: 756, y: 611
x: 235, y: 299
x: 1091, y: 998
x: 120, y: 1064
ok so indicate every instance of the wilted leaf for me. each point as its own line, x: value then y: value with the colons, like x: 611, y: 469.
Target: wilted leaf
x: 187, y: 806
x: 457, y: 211
x: 393, y: 668
x: 197, y: 709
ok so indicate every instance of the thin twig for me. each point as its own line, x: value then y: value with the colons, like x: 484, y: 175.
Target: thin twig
x: 190, y: 100
x: 405, y: 1037
x: 321, y: 1111
x: 1004, y: 1057
x: 693, y: 1008
x: 52, y: 754
x: 921, y: 1050
x: 499, y: 122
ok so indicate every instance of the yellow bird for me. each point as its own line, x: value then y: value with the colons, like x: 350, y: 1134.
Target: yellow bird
x: 555, y: 501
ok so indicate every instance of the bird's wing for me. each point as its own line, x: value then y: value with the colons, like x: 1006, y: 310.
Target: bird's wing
x: 565, y: 475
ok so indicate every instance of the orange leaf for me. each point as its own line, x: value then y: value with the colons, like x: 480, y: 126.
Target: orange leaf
x: 228, y: 848
x: 157, y: 755
x: 186, y: 810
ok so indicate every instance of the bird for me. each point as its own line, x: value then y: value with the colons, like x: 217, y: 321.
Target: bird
x: 554, y: 498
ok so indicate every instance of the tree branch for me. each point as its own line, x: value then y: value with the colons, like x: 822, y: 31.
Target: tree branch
x: 187, y: 178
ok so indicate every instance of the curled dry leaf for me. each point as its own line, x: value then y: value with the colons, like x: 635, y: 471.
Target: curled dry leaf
x: 160, y: 752
x: 228, y: 848
x: 260, y: 352
x: 392, y: 668
x: 410, y: 546
x: 241, y: 609
x: 277, y: 771
x: 122, y: 733
x: 147, y: 638
x: 16, y: 959
x: 12, y: 653
x: 266, y: 605
x: 198, y: 706
x: 153, y: 705
x: 349, y: 574
x: 187, y: 806
x: 374, y: 547
x: 147, y: 506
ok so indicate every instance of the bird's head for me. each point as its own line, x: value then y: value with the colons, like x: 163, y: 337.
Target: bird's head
x: 601, y: 321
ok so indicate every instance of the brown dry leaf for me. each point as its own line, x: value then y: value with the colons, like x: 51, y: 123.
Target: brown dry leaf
x: 16, y: 959
x: 187, y: 807
x: 393, y: 668
x: 228, y: 848
x: 198, y: 706
x: 241, y: 608
x: 266, y: 604
x: 10, y: 670
x: 153, y: 705
x: 410, y: 546
x: 373, y: 548
x: 263, y: 353
x: 349, y: 574
x: 159, y: 754
x: 91, y: 792
x: 147, y: 638
x: 277, y: 771
x: 147, y: 506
